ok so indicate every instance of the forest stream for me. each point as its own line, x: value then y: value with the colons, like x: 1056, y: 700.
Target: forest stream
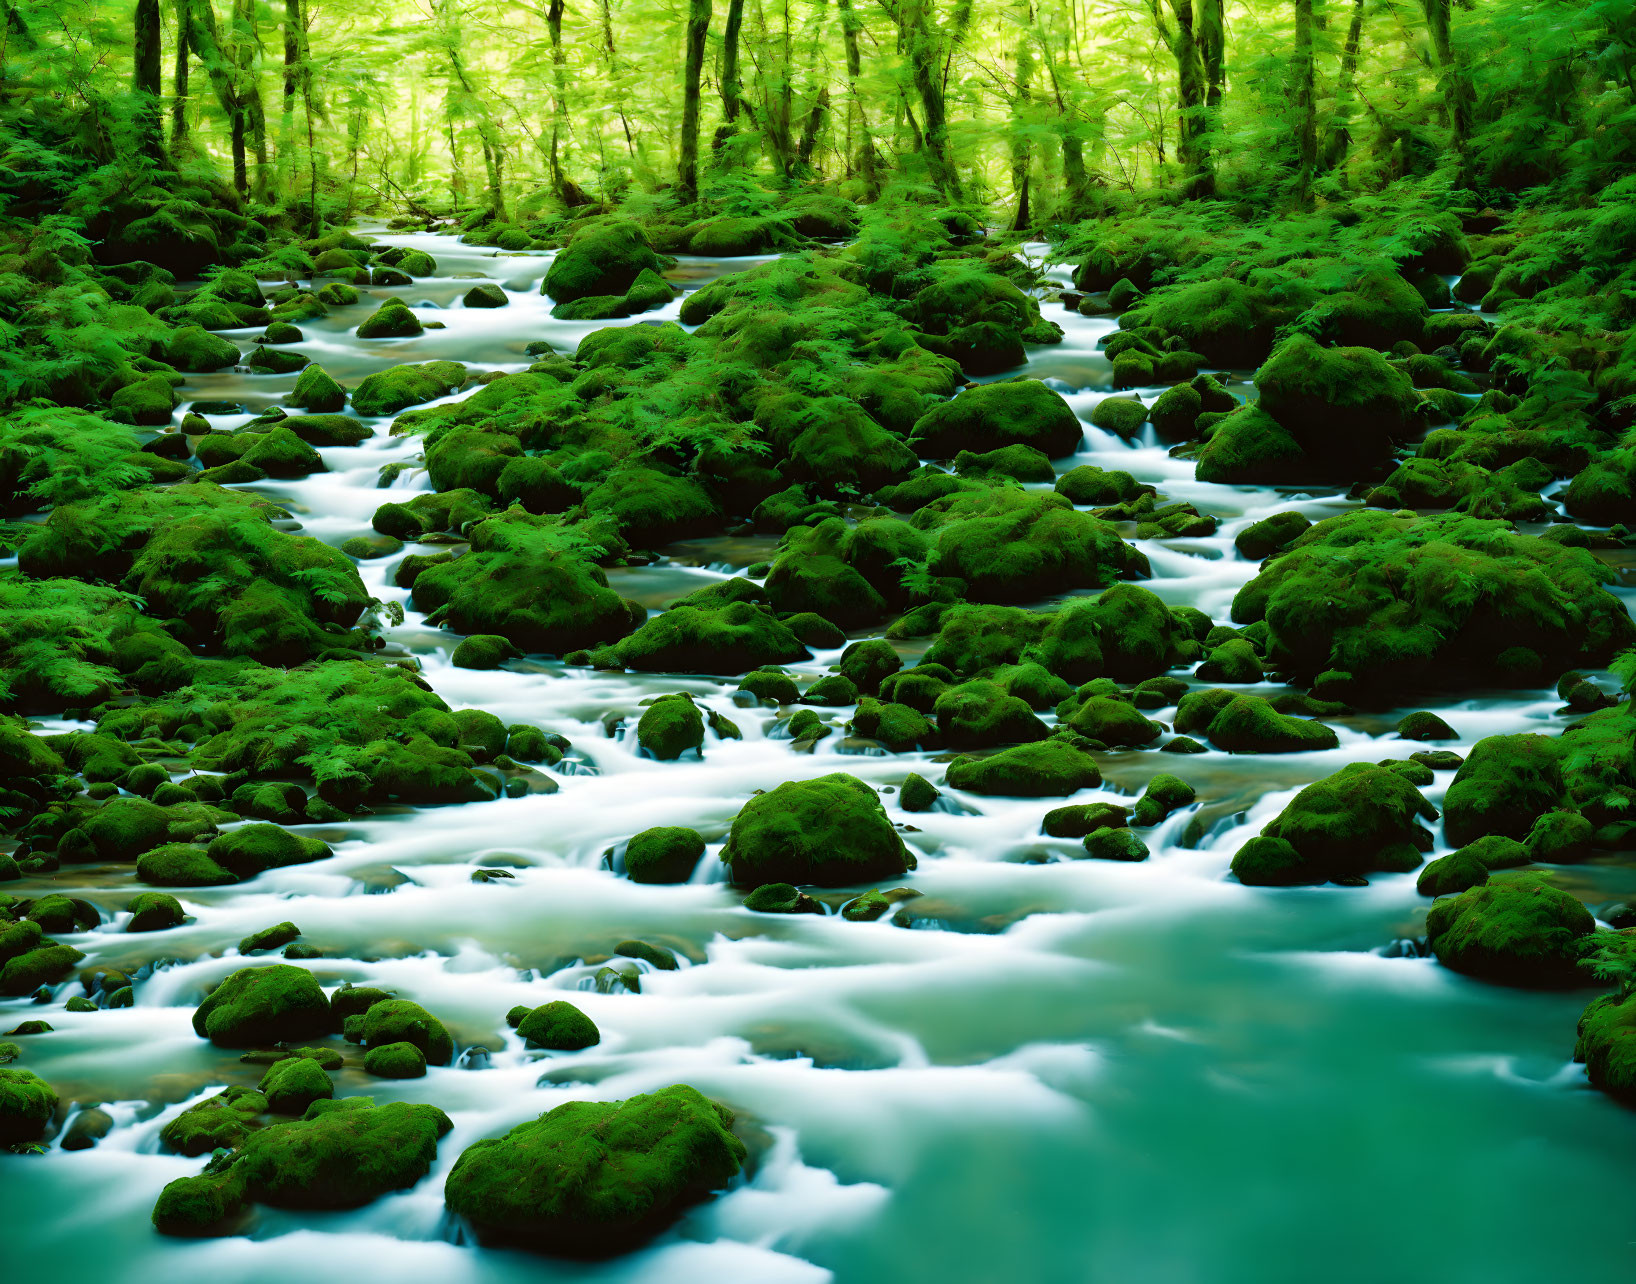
x: 1039, y: 1068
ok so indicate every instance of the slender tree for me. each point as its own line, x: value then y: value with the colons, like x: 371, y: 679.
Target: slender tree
x: 698, y: 27
x: 145, y: 78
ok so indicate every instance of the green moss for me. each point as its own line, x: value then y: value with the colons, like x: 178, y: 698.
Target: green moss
x: 1271, y: 862
x: 27, y: 1103
x: 208, y: 1204
x: 195, y: 349
x: 1242, y: 723
x: 154, y: 912
x: 398, y: 387
x: 1090, y: 485
x: 1452, y: 874
x: 1023, y: 463
x: 597, y: 1177
x: 604, y: 257
x: 1441, y: 599
x: 917, y: 793
x: 1505, y: 783
x: 1515, y: 930
x: 181, y: 865
x: 342, y: 1154
x: 219, y: 1122
x: 688, y: 640
x: 1361, y: 819
x: 979, y: 714
x: 1110, y: 721
x: 1048, y: 768
x: 261, y: 1005
x: 1081, y: 819
x: 293, y: 1084
x: 901, y: 728
x: 666, y: 854
x: 670, y: 727
x: 1163, y: 795
x: 390, y: 321
x: 831, y: 831
x: 253, y: 849
x: 1115, y: 844
x: 524, y: 582
x: 1607, y: 1044
x: 560, y: 1026
x: 269, y: 938
x: 400, y: 1021
x: 1021, y: 412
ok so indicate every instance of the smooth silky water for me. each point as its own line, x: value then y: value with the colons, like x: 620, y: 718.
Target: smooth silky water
x: 1063, y: 1070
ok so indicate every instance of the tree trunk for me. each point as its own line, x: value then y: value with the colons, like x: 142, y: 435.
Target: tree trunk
x: 1456, y: 93
x: 859, y: 142
x: 613, y: 71
x: 814, y: 127
x: 1021, y: 152
x: 698, y: 27
x: 178, y: 102
x: 1192, y: 93
x: 926, y: 67
x: 1305, y: 99
x: 295, y: 58
x: 145, y: 78
x: 568, y: 192
x: 1338, y: 137
x: 732, y: 90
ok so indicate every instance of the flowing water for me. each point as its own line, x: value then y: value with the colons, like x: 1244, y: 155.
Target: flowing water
x: 1052, y: 1069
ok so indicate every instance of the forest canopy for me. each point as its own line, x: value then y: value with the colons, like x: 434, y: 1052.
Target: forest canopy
x: 1038, y: 111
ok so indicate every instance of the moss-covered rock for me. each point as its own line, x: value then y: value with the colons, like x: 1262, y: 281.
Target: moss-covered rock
x: 731, y: 640
x: 1451, y: 874
x: 1504, y: 785
x: 604, y: 257
x: 1021, y: 412
x: 1360, y: 820
x: 261, y: 1005
x: 219, y: 1122
x: 398, y: 387
x: 400, y: 1021
x: 664, y: 854
x: 342, y: 1154
x: 47, y: 964
x: 1515, y: 929
x: 670, y: 727
x: 395, y: 1061
x: 293, y: 1084
x: 1453, y: 600
x: 390, y: 321
x: 181, y: 865
x: 1607, y: 1044
x: 1056, y: 767
x: 27, y: 1103
x: 154, y: 912
x: 597, y: 1177
x: 831, y: 831
x: 978, y: 714
x: 560, y: 1026
x: 1164, y: 794
x: 1114, y: 843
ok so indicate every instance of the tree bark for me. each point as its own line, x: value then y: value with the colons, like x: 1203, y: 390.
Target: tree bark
x: 1456, y: 93
x: 1305, y: 98
x: 921, y: 44
x: 1192, y: 94
x: 1021, y: 152
x: 859, y: 142
x: 179, y: 78
x: 732, y: 90
x: 1338, y: 137
x: 698, y: 27
x: 145, y: 78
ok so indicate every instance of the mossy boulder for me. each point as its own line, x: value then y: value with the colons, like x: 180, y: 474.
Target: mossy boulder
x: 400, y: 1021
x: 484, y: 651
x: 559, y: 1026
x: 390, y: 321
x: 154, y: 912
x: 730, y: 640
x: 1449, y: 875
x: 1504, y: 785
x: 664, y: 854
x: 1020, y: 412
x: 1607, y: 1045
x: 1450, y: 600
x: 596, y: 1177
x: 262, y: 1005
x: 253, y: 849
x: 398, y: 387
x: 1114, y: 843
x: 195, y: 350
x: 1515, y: 929
x: 316, y: 390
x: 395, y: 1061
x: 978, y: 714
x: 670, y: 727
x: 831, y: 831
x: 293, y: 1084
x: 1056, y: 767
x: 219, y: 1122
x: 47, y: 964
x: 27, y: 1103
x: 604, y: 257
x: 342, y: 1154
x: 181, y: 865
x: 1362, y: 819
